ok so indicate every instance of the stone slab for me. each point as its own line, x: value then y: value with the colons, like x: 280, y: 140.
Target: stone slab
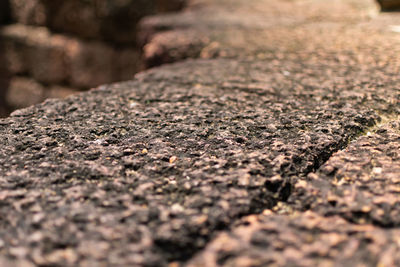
x: 159, y: 166
x: 354, y: 215
x: 256, y: 30
x: 301, y: 239
x: 148, y: 172
x: 360, y: 183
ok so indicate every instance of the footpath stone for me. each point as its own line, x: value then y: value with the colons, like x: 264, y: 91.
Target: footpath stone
x: 360, y: 183
x: 354, y: 218
x: 301, y: 239
x: 274, y: 149
x: 261, y: 29
x: 154, y: 165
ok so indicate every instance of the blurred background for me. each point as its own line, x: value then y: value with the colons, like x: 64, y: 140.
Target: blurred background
x: 54, y: 48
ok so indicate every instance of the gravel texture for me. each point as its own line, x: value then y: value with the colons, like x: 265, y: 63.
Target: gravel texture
x: 163, y: 164
x: 301, y: 239
x: 261, y: 154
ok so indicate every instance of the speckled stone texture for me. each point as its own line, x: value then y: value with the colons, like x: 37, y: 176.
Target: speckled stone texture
x: 301, y: 239
x: 283, y: 152
x: 360, y: 183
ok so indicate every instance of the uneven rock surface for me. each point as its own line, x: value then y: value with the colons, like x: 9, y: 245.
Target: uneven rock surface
x: 278, y: 147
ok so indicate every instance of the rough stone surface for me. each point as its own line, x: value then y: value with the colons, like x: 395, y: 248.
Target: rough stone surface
x: 266, y: 28
x: 355, y: 218
x: 360, y: 183
x: 153, y: 165
x: 301, y: 239
x: 301, y: 131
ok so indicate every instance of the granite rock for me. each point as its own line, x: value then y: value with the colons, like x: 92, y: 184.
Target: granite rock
x: 279, y: 147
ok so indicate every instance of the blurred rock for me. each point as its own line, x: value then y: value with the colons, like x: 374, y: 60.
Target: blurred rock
x: 113, y: 21
x: 103, y: 19
x: 4, y: 83
x: 23, y: 92
x: 90, y: 63
x: 387, y: 5
x: 60, y: 92
x: 60, y: 45
x: 57, y: 59
x: 26, y: 46
x: 169, y: 5
x: 29, y: 12
x: 126, y: 63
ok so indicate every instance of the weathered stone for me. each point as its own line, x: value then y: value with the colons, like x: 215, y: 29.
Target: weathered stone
x: 234, y: 154
x: 360, y: 183
x: 301, y: 239
x: 147, y: 172
x: 161, y: 49
x: 260, y: 34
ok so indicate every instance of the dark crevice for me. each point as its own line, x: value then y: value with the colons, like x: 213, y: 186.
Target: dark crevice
x: 356, y: 216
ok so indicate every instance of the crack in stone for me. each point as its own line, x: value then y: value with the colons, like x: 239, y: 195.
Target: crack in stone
x: 363, y: 191
x: 285, y: 186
